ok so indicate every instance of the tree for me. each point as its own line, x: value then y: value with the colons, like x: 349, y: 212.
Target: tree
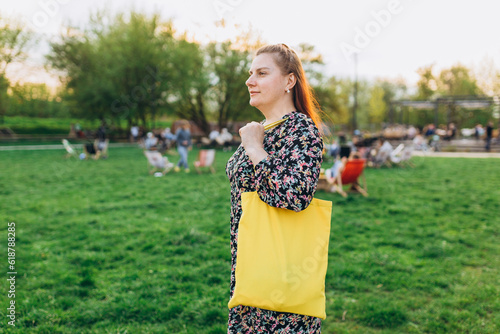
x: 216, y: 89
x: 117, y: 70
x: 488, y: 77
x: 394, y: 89
x: 458, y: 80
x: 35, y: 100
x: 427, y: 84
x: 378, y: 107
x: 229, y: 63
x: 15, y: 41
x: 192, y: 83
x: 4, y: 98
x: 312, y: 63
x: 333, y: 97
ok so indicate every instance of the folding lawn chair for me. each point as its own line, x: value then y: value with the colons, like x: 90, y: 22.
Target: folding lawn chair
x: 406, y: 156
x: 352, y: 171
x: 157, y: 162
x: 71, y: 151
x: 206, y: 159
x: 395, y: 155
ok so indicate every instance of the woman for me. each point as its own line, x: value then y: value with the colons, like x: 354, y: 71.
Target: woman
x: 183, y: 138
x: 282, y: 164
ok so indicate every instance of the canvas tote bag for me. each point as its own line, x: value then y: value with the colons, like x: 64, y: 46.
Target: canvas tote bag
x: 282, y: 257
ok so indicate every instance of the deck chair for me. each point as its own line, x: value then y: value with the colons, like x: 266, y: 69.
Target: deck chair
x: 395, y: 155
x: 70, y: 150
x: 350, y: 175
x: 157, y: 162
x: 206, y: 159
x: 406, y: 155
x: 383, y: 155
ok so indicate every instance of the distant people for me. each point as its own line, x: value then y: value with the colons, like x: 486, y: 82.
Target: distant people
x: 88, y: 151
x: 412, y: 132
x: 183, y: 138
x: 451, y: 132
x: 333, y: 150
x: 338, y: 166
x: 430, y: 131
x: 101, y: 140
x: 342, y: 138
x: 134, y: 133
x: 167, y: 138
x: 419, y: 142
x: 79, y: 131
x: 478, y: 131
x: 489, y: 135
x: 101, y: 132
x: 353, y: 143
x: 150, y: 142
x: 213, y: 135
x: 225, y: 139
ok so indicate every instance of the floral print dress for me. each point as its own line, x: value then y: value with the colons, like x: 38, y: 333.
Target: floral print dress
x: 287, y: 179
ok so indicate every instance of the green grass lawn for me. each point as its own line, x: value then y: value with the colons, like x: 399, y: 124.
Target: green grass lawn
x: 103, y: 247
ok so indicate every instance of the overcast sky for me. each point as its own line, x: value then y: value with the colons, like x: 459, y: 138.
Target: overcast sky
x: 392, y: 37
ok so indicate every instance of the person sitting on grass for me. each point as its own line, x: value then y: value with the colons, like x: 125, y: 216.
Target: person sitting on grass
x: 90, y: 150
x: 338, y: 167
x: 150, y: 142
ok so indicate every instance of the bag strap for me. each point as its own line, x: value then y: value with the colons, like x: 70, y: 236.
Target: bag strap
x: 274, y: 124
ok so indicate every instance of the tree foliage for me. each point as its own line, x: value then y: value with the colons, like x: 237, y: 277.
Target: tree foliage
x: 15, y: 40
x: 378, y: 107
x: 34, y: 100
x: 120, y: 70
x: 457, y: 80
x: 137, y: 67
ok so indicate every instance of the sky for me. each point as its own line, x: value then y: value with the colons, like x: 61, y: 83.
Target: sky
x: 392, y: 38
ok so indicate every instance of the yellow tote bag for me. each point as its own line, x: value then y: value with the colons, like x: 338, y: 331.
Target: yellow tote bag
x: 282, y: 257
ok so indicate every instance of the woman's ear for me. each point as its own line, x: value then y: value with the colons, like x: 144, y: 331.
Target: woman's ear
x: 292, y: 80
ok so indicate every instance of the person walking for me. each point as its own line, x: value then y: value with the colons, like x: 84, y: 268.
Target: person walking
x: 183, y: 138
x: 282, y: 164
x: 489, y: 135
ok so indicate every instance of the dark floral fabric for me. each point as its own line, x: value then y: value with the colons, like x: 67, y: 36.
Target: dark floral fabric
x: 287, y: 179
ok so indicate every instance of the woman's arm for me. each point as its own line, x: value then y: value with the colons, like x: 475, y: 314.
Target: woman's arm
x: 288, y: 177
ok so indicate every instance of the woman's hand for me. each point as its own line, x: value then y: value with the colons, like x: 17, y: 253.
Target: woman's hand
x: 252, y: 139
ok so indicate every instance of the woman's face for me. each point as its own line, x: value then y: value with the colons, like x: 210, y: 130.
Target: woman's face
x: 266, y: 84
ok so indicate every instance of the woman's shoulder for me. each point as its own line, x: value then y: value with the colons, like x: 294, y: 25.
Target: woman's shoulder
x: 301, y: 122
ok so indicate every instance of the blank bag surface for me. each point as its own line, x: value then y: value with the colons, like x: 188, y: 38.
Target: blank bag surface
x: 282, y: 257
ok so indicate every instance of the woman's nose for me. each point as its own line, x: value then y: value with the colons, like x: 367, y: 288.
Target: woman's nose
x: 250, y: 82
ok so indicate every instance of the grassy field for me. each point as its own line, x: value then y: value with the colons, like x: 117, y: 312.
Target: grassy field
x: 103, y: 247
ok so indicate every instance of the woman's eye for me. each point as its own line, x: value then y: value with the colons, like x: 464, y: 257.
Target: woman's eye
x: 262, y: 73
